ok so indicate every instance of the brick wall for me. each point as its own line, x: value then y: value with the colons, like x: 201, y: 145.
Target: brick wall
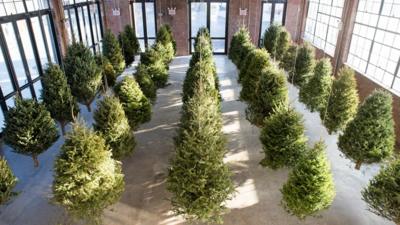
x: 116, y: 23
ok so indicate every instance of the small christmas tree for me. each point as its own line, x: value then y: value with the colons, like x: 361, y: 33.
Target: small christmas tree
x: 129, y: 44
x: 159, y: 74
x: 7, y: 181
x: 203, y: 71
x: 315, y: 94
x: 169, y: 29
x: 270, y: 39
x: 145, y: 82
x: 304, y: 65
x: 202, y: 51
x: 29, y: 128
x: 370, y: 136
x: 289, y: 59
x: 83, y: 74
x: 343, y: 102
x: 245, y: 53
x: 246, y: 63
x: 382, y: 193
x: 203, y: 32
x: 271, y: 92
x: 86, y: 178
x: 111, y: 122
x: 109, y: 74
x: 136, y: 106
x: 310, y: 186
x: 252, y: 75
x: 166, y: 52
x: 57, y: 96
x: 165, y: 37
x: 112, y: 51
x: 283, y: 139
x: 283, y: 43
x: 239, y: 39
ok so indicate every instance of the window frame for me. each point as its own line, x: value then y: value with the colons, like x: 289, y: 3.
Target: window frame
x: 273, y: 2
x: 145, y: 37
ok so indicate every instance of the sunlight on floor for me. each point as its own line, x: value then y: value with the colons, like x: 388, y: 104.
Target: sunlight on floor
x: 245, y: 196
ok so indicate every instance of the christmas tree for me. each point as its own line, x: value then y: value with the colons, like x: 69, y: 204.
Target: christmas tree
x: 109, y: 74
x: 382, y: 193
x: 159, y: 74
x: 304, y: 65
x: 243, y: 68
x: 129, y: 44
x: 145, y: 82
x: 165, y: 37
x: 7, y: 181
x: 29, y: 128
x: 370, y: 136
x: 83, y: 75
x: 315, y: 93
x: 283, y: 139
x: 288, y: 60
x: 245, y: 52
x: 112, y: 51
x: 57, y: 96
x: 111, y: 122
x: 169, y: 29
x: 343, y: 102
x: 86, y: 178
x: 283, y: 43
x: 310, y: 186
x: 239, y: 39
x: 270, y: 39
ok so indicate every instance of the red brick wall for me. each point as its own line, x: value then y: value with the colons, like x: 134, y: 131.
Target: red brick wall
x: 293, y: 19
x: 116, y: 23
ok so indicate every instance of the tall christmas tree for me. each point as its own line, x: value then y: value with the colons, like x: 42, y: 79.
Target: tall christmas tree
x: 283, y: 43
x: 382, y: 193
x: 86, y: 178
x: 57, y: 96
x: 129, y: 44
x: 304, y: 65
x: 239, y: 39
x: 29, y: 128
x: 202, y: 70
x: 270, y: 39
x: 112, y: 51
x: 7, y: 181
x: 111, y: 122
x: 83, y: 74
x: 370, y: 136
x: 310, y: 186
x: 343, y: 102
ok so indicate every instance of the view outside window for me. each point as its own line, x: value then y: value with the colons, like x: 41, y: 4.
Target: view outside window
x: 144, y: 18
x: 273, y: 11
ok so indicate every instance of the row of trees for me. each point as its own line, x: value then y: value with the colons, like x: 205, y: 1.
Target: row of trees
x: 198, y: 179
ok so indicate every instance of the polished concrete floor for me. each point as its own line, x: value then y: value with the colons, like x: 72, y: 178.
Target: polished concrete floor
x: 145, y: 200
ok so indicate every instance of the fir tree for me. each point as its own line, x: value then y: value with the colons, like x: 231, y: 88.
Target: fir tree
x: 315, y: 93
x: 383, y: 191
x: 310, y: 186
x: 166, y: 52
x: 57, y: 96
x: 271, y: 92
x: 159, y: 74
x: 29, y: 128
x: 136, y: 106
x: 112, y: 51
x: 83, y: 74
x: 270, y: 39
x: 239, y: 39
x: 283, y: 139
x: 245, y: 53
x: 145, y: 82
x: 86, y: 178
x: 252, y: 75
x: 246, y: 63
x: 165, y: 37
x: 7, y: 181
x: 304, y: 65
x: 109, y: 74
x: 203, y: 32
x: 129, y: 44
x: 111, y: 122
x: 343, y: 102
x: 169, y: 29
x: 202, y: 51
x: 289, y: 59
x: 283, y: 43
x: 370, y: 136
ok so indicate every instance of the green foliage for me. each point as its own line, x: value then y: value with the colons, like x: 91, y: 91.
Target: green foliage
x: 343, y: 102
x: 271, y: 92
x: 203, y: 32
x: 383, y: 191
x: 107, y: 70
x: 7, y: 181
x: 315, y: 93
x: 83, y: 74
x: 370, y: 136
x: 86, y: 178
x: 169, y: 29
x: 252, y: 73
x: 283, y: 139
x: 202, y: 51
x: 288, y: 59
x: 57, y: 96
x: 310, y: 186
x: 270, y: 39
x: 245, y: 52
x: 113, y: 52
x: 165, y: 37
x: 283, y: 43
x: 239, y: 39
x: 136, y: 106
x: 112, y: 124
x: 159, y: 74
x: 129, y: 44
x: 246, y: 63
x: 29, y: 128
x: 145, y: 82
x: 304, y: 65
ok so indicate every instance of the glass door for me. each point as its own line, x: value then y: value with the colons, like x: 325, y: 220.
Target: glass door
x: 212, y: 14
x: 144, y: 19
x: 273, y: 11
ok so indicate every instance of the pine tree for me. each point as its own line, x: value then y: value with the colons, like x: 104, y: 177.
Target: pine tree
x: 252, y: 74
x: 246, y: 63
x: 57, y: 96
x: 271, y: 92
x: 145, y: 82
x: 383, y: 191
x: 83, y: 75
x: 239, y: 39
x: 112, y: 124
x: 29, y: 128
x: 343, y: 102
x: 159, y: 74
x: 203, y: 32
x: 270, y: 39
x: 310, y: 186
x: 315, y: 93
x: 86, y: 178
x: 370, y: 136
x: 283, y: 43
x: 109, y: 74
x: 202, y: 51
x: 289, y: 59
x: 112, y: 51
x: 165, y: 37
x: 283, y: 139
x: 169, y: 29
x: 304, y: 65
x: 7, y: 181
x: 129, y: 44
x: 166, y: 52
x: 245, y: 53
x: 136, y: 106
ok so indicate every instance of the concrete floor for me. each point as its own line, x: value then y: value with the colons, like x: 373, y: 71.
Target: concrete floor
x: 145, y: 200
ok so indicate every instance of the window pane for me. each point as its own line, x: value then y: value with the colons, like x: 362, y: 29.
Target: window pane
x: 218, y: 19
x: 28, y: 49
x: 26, y: 93
x: 38, y: 89
x: 50, y: 38
x: 1, y: 120
x: 82, y: 26
x: 150, y: 20
x: 218, y: 46
x: 278, y: 14
x: 87, y: 25
x: 137, y: 8
x: 5, y: 81
x: 198, y: 16
x: 39, y: 41
x: 266, y: 17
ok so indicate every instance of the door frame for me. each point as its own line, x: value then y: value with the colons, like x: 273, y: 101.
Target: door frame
x: 273, y: 2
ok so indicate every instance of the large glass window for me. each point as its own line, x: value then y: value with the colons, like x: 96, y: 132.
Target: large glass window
x: 375, y: 43
x: 144, y: 19
x: 323, y: 23
x: 273, y: 11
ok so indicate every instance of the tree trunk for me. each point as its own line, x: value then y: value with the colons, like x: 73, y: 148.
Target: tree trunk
x: 88, y: 107
x: 358, y: 164
x: 63, y: 123
x: 35, y: 161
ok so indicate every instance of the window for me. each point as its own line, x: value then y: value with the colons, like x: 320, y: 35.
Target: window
x: 273, y: 11
x: 144, y: 19
x: 323, y: 23
x: 375, y: 49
